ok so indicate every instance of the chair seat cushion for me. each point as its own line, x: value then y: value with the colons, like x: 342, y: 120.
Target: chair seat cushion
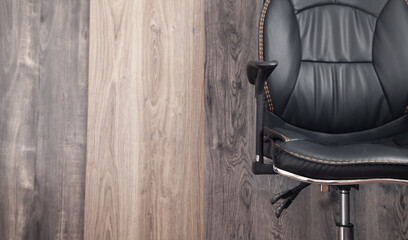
x: 367, y: 159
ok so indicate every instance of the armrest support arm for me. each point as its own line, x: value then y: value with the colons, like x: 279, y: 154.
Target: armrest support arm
x: 258, y: 72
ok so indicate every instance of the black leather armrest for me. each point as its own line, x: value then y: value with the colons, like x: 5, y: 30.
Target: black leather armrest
x: 262, y: 69
x: 258, y: 72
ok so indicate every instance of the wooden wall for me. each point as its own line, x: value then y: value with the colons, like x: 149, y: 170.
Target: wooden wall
x: 164, y: 137
x: 145, y: 120
x: 43, y: 92
x: 237, y: 202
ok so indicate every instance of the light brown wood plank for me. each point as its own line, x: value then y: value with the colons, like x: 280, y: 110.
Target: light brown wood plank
x: 145, y: 120
x: 43, y: 100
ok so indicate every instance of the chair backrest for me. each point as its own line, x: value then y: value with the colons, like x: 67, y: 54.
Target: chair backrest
x: 343, y: 64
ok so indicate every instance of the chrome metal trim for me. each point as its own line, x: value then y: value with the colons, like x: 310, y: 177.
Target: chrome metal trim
x: 345, y: 233
x: 345, y: 207
x: 257, y: 158
x: 337, y: 182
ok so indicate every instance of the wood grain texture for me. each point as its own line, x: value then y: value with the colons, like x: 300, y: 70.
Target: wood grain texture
x: 145, y: 120
x: 43, y: 100
x: 237, y: 202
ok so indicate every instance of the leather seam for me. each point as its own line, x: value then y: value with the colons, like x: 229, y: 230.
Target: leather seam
x: 301, y: 57
x: 261, y: 51
x: 333, y: 162
x: 339, y: 62
x: 286, y: 139
x: 336, y: 4
x: 372, y: 56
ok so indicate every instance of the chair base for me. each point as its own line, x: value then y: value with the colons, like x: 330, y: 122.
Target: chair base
x: 345, y: 233
x: 345, y: 228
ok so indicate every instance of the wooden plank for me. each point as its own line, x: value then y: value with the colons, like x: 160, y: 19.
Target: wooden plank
x: 62, y: 107
x: 237, y: 202
x: 381, y: 211
x: 145, y: 120
x: 19, y: 79
x: 43, y: 100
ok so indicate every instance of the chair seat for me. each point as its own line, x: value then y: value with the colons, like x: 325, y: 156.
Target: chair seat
x: 300, y: 154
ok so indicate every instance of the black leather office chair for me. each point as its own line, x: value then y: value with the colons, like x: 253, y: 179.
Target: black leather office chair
x: 334, y: 112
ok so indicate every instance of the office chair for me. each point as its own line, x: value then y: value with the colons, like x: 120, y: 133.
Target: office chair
x: 335, y: 109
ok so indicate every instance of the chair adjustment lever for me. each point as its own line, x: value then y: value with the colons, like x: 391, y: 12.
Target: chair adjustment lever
x: 289, y: 197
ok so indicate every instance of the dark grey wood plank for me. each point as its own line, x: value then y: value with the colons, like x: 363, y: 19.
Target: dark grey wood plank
x: 237, y: 202
x: 229, y: 185
x: 43, y: 101
x: 19, y: 75
x: 381, y: 211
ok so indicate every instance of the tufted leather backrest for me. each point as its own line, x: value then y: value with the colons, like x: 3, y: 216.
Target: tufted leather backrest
x: 343, y: 64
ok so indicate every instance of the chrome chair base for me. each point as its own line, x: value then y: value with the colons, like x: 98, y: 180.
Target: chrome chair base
x: 345, y: 228
x: 345, y: 233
